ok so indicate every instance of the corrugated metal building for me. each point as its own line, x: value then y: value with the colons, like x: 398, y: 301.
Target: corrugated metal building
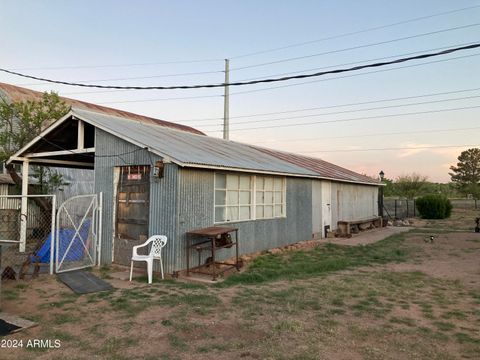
x: 274, y: 198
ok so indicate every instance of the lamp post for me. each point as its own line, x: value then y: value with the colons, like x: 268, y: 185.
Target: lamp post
x: 380, y: 195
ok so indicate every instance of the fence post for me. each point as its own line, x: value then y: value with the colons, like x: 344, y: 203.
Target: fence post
x: 414, y: 209
x: 395, y: 209
x: 408, y: 212
x: 475, y: 204
x: 53, y: 233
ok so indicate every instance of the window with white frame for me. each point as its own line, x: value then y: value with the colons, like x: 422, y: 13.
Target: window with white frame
x: 269, y: 197
x: 235, y: 200
x: 233, y: 197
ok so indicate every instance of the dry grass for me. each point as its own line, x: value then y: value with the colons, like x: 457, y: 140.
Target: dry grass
x: 391, y: 302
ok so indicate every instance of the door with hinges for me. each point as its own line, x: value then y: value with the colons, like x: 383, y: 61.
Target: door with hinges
x: 132, y: 211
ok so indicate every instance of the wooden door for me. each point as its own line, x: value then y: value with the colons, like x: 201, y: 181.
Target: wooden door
x: 132, y: 210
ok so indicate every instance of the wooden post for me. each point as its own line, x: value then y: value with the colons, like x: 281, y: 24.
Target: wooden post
x: 24, y: 207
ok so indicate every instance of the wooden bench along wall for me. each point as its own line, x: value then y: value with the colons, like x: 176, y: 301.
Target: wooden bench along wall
x: 346, y: 227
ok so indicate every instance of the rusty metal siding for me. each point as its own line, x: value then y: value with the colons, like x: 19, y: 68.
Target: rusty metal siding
x: 196, y: 204
x: 162, y: 194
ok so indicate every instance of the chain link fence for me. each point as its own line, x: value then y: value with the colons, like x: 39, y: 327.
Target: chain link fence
x: 403, y: 208
x: 38, y: 226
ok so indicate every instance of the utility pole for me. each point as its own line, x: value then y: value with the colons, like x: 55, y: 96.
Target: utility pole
x: 226, y: 112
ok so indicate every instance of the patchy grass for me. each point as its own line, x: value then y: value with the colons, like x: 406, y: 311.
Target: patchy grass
x: 319, y: 261
x: 296, y: 305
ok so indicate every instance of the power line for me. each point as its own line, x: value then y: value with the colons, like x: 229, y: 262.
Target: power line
x: 285, y: 86
x: 140, y: 77
x: 391, y: 148
x: 349, y: 76
x: 357, y: 119
x: 248, y: 54
x: 293, y: 72
x: 355, y: 47
x: 334, y: 106
x: 353, y: 32
x: 119, y: 65
x: 373, y: 134
x: 358, y: 62
x: 352, y: 111
x: 161, y: 99
x: 302, y: 76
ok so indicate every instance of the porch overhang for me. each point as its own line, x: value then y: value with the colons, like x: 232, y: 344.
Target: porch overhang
x: 69, y: 144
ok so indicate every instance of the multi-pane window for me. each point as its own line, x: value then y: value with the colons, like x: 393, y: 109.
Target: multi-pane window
x: 234, y: 197
x: 269, y: 201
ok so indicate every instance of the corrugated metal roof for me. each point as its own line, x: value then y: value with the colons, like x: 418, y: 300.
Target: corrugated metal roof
x: 16, y: 93
x: 188, y: 149
x: 6, y: 179
x: 319, y: 166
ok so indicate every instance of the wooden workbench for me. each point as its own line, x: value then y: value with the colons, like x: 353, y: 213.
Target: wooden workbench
x: 210, y: 235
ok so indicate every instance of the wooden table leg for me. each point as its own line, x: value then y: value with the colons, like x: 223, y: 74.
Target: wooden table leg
x: 188, y: 255
x: 214, y: 278
x: 236, y: 250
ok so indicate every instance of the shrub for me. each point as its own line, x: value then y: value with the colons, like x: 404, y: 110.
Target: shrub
x: 434, y: 207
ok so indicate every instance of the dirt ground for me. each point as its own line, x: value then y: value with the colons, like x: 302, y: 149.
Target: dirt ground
x: 427, y: 307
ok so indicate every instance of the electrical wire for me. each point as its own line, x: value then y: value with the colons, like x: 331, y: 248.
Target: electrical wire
x: 353, y: 32
x: 356, y: 119
x: 349, y: 111
x: 331, y: 106
x: 161, y: 99
x: 390, y: 148
x: 120, y: 65
x: 138, y: 77
x: 282, y: 74
x: 351, y: 75
x: 373, y: 135
x: 356, y: 62
x: 355, y: 47
x: 302, y: 76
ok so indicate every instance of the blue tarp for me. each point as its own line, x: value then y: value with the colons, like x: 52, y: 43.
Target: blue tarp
x: 76, y: 251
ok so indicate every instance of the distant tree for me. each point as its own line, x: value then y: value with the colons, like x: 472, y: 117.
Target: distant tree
x: 21, y: 121
x: 410, y: 185
x: 49, y: 180
x: 389, y: 189
x: 467, y: 172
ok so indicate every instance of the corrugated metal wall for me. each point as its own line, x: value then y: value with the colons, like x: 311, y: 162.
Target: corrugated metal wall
x: 348, y: 202
x: 353, y: 202
x: 163, y: 192
x: 196, y: 211
x: 317, y: 226
x: 183, y: 200
x: 80, y: 182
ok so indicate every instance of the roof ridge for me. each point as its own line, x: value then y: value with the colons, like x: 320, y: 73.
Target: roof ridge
x: 18, y: 93
x: 318, y: 161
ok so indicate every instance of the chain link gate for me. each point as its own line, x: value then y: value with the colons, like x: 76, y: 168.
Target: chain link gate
x: 77, y: 233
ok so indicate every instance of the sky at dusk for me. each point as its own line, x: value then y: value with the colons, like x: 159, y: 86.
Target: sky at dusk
x: 404, y: 118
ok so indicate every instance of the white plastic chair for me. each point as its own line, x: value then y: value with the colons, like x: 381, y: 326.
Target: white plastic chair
x: 158, y: 242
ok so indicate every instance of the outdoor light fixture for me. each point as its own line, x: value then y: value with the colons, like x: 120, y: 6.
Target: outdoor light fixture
x: 380, y: 194
x: 158, y: 169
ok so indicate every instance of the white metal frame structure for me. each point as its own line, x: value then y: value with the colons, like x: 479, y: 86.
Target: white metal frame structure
x: 76, y: 219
